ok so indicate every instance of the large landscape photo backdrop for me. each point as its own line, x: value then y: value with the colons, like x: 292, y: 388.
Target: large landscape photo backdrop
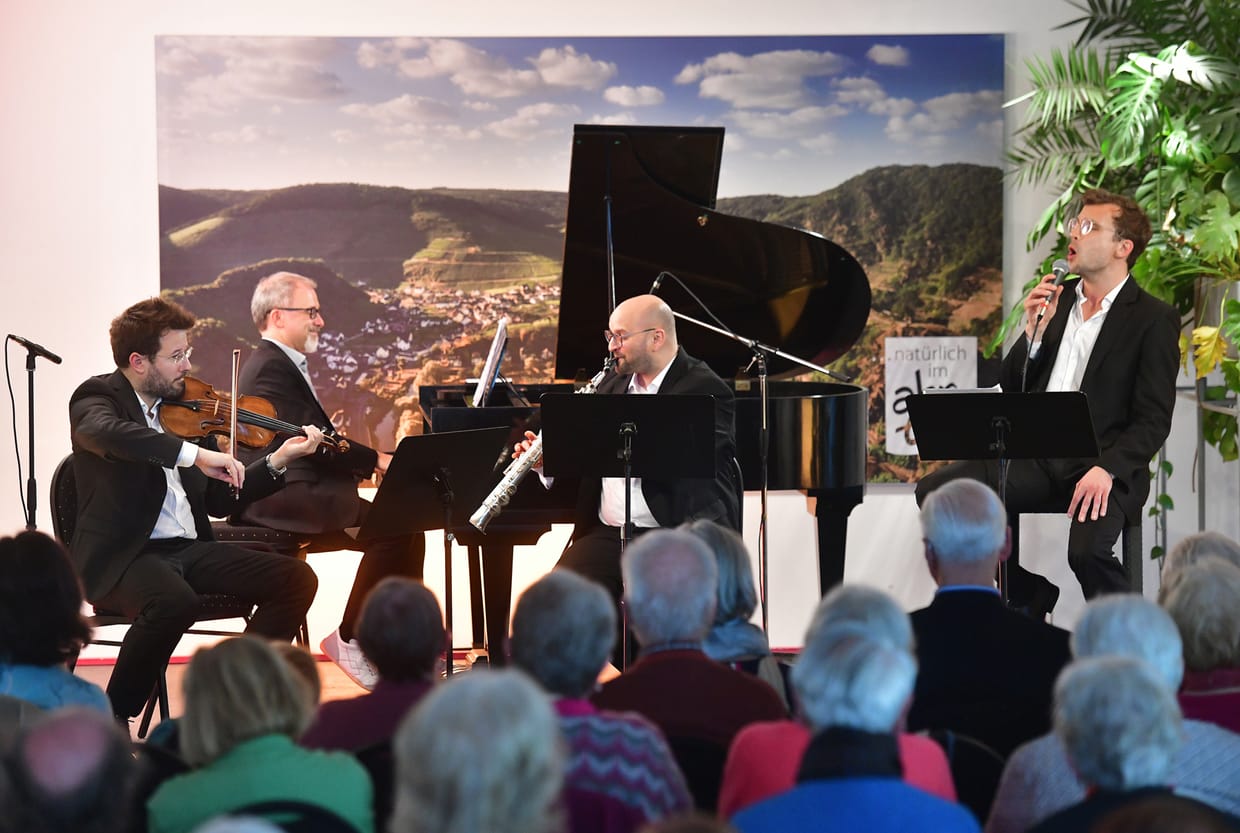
x: 422, y: 183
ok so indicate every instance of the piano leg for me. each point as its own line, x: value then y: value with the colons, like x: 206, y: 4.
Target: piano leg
x: 496, y: 596
x: 832, y: 514
x: 477, y: 616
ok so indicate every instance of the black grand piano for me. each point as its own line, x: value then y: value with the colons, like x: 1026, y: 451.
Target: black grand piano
x: 641, y: 202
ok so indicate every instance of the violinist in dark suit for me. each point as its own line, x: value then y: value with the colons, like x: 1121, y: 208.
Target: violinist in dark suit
x: 1117, y: 344
x: 321, y: 499
x: 142, y: 541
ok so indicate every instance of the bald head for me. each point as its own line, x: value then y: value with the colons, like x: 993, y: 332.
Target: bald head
x: 73, y: 770
x: 645, y: 336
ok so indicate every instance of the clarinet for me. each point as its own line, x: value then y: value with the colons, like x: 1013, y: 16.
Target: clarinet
x: 503, y: 492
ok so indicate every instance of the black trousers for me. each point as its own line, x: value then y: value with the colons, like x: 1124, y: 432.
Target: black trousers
x: 398, y: 555
x: 160, y: 592
x: 1042, y: 486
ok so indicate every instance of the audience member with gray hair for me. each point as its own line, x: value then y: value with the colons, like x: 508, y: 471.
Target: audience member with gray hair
x: 1120, y: 726
x: 620, y: 769
x: 70, y: 771
x: 401, y: 632
x: 985, y: 671
x: 733, y: 638
x: 1190, y: 550
x: 853, y: 690
x: 764, y: 758
x: 1205, y: 604
x: 481, y: 753
x: 669, y: 579
x: 1038, y: 779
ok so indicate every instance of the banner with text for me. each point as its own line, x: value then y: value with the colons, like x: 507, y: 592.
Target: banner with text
x: 914, y: 365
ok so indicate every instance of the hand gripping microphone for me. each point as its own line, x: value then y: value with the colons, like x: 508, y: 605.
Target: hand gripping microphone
x: 1060, y: 269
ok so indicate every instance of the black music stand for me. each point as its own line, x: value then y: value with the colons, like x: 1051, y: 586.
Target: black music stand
x: 668, y: 436
x: 619, y: 435
x: 991, y: 425
x: 434, y: 482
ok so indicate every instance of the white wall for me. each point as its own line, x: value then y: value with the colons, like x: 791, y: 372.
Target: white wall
x: 78, y: 197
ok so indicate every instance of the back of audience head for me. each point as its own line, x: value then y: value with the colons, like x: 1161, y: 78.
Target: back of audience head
x: 964, y: 527
x: 1161, y: 813
x: 1128, y: 625
x: 1205, y: 605
x: 401, y: 630
x: 1193, y: 549
x: 846, y: 677
x: 688, y: 823
x: 871, y: 609
x: 669, y: 580
x: 305, y: 668
x: 563, y: 631
x: 737, y: 598
x: 237, y: 690
x: 71, y: 771
x: 41, y: 619
x: 1118, y: 722
x: 481, y: 753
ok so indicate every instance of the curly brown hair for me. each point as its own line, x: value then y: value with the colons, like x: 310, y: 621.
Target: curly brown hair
x: 139, y: 328
x: 1130, y: 220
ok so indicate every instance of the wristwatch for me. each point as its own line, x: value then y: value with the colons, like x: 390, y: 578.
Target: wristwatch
x: 273, y: 471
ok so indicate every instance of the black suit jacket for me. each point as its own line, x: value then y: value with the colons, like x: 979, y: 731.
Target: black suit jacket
x: 983, y: 670
x: 685, y: 499
x: 321, y: 495
x: 118, y: 463
x: 1129, y: 381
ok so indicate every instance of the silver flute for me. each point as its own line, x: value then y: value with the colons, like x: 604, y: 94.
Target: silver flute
x: 503, y: 492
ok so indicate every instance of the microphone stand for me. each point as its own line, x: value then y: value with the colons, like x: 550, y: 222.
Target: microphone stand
x: 32, y: 492
x: 761, y: 352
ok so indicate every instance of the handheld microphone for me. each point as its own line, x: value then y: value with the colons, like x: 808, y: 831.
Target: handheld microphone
x: 1060, y: 270
x: 37, y: 349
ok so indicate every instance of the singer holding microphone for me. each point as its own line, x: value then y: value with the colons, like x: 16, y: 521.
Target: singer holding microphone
x: 1104, y: 335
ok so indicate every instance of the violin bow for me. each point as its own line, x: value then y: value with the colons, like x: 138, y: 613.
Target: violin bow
x: 232, y: 410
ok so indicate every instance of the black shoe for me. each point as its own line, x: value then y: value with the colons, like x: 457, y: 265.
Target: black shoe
x: 1041, y: 601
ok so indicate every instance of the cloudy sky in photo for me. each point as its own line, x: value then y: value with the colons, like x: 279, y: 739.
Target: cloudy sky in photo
x: 802, y: 114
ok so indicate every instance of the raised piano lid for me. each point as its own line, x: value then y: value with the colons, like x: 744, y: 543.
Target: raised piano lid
x: 783, y: 286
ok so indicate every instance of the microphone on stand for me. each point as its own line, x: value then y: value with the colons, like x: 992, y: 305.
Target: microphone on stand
x: 658, y: 281
x: 37, y: 349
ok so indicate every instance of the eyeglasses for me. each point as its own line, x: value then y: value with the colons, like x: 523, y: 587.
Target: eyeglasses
x: 1085, y: 224
x: 618, y: 338
x: 313, y: 312
x: 177, y: 357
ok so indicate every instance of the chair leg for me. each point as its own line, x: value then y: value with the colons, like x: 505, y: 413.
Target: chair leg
x: 158, y: 697
x: 1133, y: 556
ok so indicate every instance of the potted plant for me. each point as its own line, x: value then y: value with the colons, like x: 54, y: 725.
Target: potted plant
x: 1147, y: 103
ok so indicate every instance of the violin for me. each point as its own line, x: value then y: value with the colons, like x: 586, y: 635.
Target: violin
x: 203, y: 410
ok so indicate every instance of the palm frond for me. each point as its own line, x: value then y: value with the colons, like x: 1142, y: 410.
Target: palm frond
x: 1069, y: 86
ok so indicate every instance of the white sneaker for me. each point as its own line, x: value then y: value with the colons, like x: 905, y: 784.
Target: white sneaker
x: 349, y: 656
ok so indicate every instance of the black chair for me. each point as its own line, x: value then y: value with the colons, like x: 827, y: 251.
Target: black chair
x: 975, y: 769
x: 296, y: 817
x: 701, y: 760
x: 212, y: 606
x: 380, y: 763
